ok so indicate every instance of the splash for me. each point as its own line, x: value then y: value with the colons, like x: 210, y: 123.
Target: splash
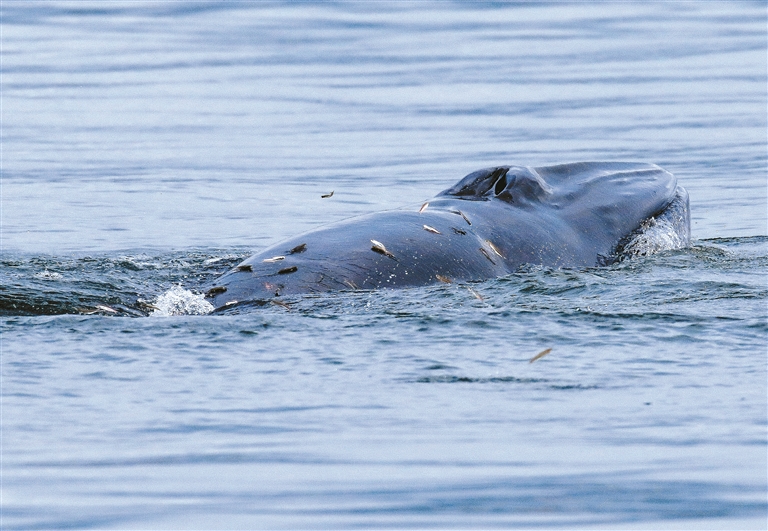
x: 179, y: 301
x: 668, y: 231
x: 654, y: 236
x: 48, y: 275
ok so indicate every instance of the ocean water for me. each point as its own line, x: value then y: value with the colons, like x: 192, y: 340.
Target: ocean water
x: 149, y: 146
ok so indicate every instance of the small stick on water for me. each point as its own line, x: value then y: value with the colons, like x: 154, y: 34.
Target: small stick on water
x: 433, y: 230
x: 146, y: 305
x: 326, y: 196
x: 423, y: 207
x: 273, y: 259
x: 441, y: 278
x: 97, y: 309
x: 476, y: 294
x: 281, y: 304
x: 540, y: 355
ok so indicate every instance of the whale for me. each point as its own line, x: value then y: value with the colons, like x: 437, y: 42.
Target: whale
x: 492, y: 223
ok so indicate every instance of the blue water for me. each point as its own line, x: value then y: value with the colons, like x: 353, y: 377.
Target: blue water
x: 147, y: 147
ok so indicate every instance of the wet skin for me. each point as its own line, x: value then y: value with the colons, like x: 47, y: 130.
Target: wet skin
x: 488, y: 225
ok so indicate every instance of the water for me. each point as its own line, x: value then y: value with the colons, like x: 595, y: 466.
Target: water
x: 147, y: 147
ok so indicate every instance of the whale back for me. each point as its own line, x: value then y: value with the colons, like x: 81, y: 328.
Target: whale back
x: 489, y: 224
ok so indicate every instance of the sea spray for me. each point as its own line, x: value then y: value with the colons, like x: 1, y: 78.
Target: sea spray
x: 180, y: 301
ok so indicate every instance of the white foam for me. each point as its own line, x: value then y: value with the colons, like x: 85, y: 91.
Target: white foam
x: 654, y: 236
x: 48, y: 275
x: 179, y: 301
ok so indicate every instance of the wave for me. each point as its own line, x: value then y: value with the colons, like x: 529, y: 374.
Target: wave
x: 136, y: 285
x: 170, y: 283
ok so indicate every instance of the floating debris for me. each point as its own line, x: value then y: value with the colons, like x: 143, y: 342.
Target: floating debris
x: 494, y: 248
x: 326, y: 196
x: 459, y: 231
x: 98, y: 308
x: 350, y: 283
x: 287, y: 270
x: 273, y: 259
x: 433, y: 230
x: 441, y: 278
x: 298, y: 249
x: 488, y: 256
x: 281, y: 304
x: 230, y: 303
x: 244, y: 267
x: 215, y: 291
x: 476, y: 294
x: 144, y: 305
x: 423, y: 207
x: 379, y: 248
x: 540, y: 355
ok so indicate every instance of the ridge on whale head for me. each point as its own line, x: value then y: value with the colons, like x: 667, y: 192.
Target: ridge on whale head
x: 513, y: 184
x: 487, y: 225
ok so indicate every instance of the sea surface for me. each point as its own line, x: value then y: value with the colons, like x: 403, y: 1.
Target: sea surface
x: 149, y: 146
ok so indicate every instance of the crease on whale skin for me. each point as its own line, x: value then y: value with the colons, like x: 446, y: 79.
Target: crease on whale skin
x: 489, y: 224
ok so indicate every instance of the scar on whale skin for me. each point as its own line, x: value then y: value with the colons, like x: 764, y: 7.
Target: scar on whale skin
x: 488, y: 256
x: 494, y: 248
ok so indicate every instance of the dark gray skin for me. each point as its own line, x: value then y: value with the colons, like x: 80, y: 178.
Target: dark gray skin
x: 489, y: 224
